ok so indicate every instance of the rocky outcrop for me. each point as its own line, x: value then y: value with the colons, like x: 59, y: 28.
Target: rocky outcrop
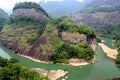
x: 40, y: 49
x: 29, y: 12
x: 98, y: 18
x: 52, y: 74
x: 73, y: 38
x: 99, y: 13
x: 93, y: 43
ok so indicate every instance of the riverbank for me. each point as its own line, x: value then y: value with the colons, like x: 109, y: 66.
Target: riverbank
x: 101, y: 70
x: 78, y: 62
x: 72, y: 62
x: 52, y: 74
x: 111, y: 53
x: 36, y: 60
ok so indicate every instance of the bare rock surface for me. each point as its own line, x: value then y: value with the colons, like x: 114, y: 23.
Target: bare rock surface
x: 52, y: 74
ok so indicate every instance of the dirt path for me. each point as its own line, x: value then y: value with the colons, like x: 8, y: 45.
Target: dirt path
x: 111, y: 53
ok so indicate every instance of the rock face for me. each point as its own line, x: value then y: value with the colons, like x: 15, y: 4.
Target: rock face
x: 99, y: 13
x: 17, y: 37
x: 38, y: 48
x: 99, y: 19
x: 29, y: 12
x: 73, y: 38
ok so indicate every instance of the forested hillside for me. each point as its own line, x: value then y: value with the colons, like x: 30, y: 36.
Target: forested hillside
x: 47, y: 39
x: 99, y: 13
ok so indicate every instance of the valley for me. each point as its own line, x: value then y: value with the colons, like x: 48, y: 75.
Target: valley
x: 54, y: 40
x: 100, y: 70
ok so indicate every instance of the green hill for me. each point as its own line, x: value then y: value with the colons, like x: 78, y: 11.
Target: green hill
x: 47, y: 39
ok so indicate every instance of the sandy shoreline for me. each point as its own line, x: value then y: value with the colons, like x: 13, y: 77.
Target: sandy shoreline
x: 79, y: 64
x: 36, y: 60
x: 52, y: 74
x: 111, y: 53
x: 75, y: 62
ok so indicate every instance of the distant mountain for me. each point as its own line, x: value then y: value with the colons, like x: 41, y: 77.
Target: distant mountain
x: 99, y: 13
x: 59, y: 8
x: 3, y: 18
x: 3, y: 13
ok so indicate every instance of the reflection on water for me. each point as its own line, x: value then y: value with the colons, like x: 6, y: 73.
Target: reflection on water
x: 4, y: 54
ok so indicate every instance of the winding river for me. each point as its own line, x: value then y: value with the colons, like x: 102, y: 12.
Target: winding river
x: 102, y: 70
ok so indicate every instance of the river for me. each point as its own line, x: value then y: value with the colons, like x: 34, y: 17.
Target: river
x: 104, y: 69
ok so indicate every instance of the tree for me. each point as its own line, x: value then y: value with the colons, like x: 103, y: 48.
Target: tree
x: 11, y: 70
x: 3, y: 62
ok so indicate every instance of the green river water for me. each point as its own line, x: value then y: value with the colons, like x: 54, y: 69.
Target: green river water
x: 102, y: 70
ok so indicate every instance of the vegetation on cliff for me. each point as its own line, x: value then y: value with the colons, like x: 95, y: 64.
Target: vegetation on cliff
x: 11, y: 70
x: 23, y: 31
x: 64, y: 7
x: 66, y: 50
x: 42, y: 39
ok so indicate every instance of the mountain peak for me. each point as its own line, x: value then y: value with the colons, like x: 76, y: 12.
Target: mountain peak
x: 30, y: 9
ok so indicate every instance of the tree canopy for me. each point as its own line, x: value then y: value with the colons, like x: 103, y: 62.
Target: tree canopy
x: 67, y: 51
x: 64, y: 23
x: 11, y: 70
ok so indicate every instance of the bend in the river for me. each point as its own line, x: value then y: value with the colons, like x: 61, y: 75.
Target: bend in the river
x: 103, y: 69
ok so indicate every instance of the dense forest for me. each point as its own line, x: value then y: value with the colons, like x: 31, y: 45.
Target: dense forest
x: 12, y: 70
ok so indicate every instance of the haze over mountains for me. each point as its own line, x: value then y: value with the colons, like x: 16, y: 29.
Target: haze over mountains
x: 65, y: 7
x: 3, y: 18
